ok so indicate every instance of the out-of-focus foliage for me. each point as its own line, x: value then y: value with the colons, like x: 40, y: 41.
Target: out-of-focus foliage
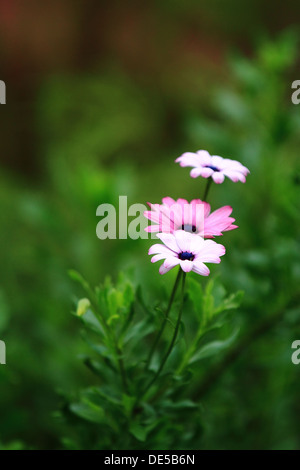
x: 104, y: 135
x: 131, y: 404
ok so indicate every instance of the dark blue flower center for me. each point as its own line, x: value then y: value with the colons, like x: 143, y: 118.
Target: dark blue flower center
x: 214, y: 168
x: 189, y: 228
x: 185, y: 255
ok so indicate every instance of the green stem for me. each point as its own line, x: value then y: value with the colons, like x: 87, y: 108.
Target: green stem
x: 170, y: 348
x: 207, y: 187
x: 163, y: 325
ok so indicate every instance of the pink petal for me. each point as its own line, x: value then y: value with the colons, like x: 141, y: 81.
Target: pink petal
x: 168, y: 201
x: 231, y: 227
x: 158, y: 217
x: 206, y: 206
x: 218, y: 221
x: 152, y: 228
x: 182, y: 202
x: 176, y: 213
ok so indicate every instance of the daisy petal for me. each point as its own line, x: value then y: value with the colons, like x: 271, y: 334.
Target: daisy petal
x: 188, y: 159
x: 196, y: 172
x: 158, y: 248
x: 186, y: 265
x: 168, y: 201
x: 158, y: 257
x: 169, y: 240
x: 200, y: 268
x: 183, y: 240
x: 218, y: 177
x: 168, y: 265
x: 205, y: 158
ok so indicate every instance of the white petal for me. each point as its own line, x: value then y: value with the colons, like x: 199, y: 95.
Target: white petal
x: 188, y: 159
x: 218, y: 177
x: 186, y: 265
x: 211, y: 252
x: 183, y: 240
x: 235, y: 175
x: 169, y: 240
x: 206, y: 172
x: 158, y: 257
x: 171, y: 262
x: 196, y: 244
x: 205, y: 157
x: 196, y: 172
x: 159, y: 248
x: 168, y: 264
x: 217, y: 161
x: 200, y: 268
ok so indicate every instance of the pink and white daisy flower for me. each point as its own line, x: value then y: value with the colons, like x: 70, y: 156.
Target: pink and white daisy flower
x: 207, y: 165
x: 193, y: 217
x: 187, y: 250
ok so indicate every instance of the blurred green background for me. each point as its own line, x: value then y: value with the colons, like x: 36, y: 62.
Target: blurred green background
x: 101, y: 99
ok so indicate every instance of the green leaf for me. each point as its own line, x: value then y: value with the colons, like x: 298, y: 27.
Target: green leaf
x: 75, y: 276
x: 215, y: 347
x: 232, y: 302
x: 128, y: 403
x: 138, y: 331
x: 195, y: 293
x: 92, y: 322
x: 140, y: 432
x: 208, y: 301
x: 114, y: 301
x: 180, y: 405
x: 88, y: 411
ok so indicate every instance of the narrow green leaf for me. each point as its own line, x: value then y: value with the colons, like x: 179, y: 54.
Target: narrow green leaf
x: 215, y: 347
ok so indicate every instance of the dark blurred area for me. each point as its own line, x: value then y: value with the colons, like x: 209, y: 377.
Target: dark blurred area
x: 102, y: 96
x: 160, y: 46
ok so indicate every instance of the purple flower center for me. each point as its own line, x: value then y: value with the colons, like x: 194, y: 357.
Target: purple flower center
x: 214, y: 168
x: 185, y: 255
x: 189, y: 228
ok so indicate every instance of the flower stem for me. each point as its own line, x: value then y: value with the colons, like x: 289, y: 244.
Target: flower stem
x: 170, y: 348
x: 208, y: 184
x: 163, y: 325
